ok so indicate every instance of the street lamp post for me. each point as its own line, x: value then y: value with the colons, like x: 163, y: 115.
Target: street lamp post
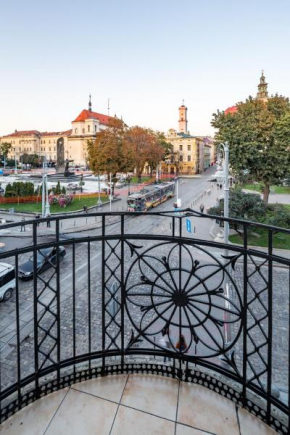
x: 99, y: 203
x: 226, y: 191
x: 129, y: 181
x: 227, y: 325
x: 15, y: 161
x: 45, y: 210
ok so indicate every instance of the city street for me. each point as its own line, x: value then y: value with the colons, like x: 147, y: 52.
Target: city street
x: 79, y: 278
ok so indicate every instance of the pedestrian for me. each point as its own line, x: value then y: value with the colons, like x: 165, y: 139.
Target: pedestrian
x: 181, y: 344
x: 37, y: 217
x: 164, y: 341
x: 22, y: 224
x: 85, y: 209
x: 201, y: 207
x: 48, y: 221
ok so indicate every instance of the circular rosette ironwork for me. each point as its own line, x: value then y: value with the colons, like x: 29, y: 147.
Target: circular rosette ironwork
x: 183, y: 299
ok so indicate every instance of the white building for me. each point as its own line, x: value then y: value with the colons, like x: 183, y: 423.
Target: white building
x: 85, y: 127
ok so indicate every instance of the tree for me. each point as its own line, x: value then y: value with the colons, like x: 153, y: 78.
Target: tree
x: 156, y: 149
x: 109, y: 153
x: 259, y: 138
x: 242, y: 205
x: 5, y: 147
x: 31, y: 159
x: 145, y: 147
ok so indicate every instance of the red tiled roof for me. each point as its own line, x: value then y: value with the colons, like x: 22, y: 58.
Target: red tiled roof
x: 23, y: 133
x: 231, y: 110
x: 86, y: 114
x: 57, y: 133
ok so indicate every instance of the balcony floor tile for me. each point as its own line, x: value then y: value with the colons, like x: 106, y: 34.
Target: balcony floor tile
x: 34, y: 418
x: 203, y: 409
x: 81, y: 413
x: 186, y: 430
x: 132, y: 422
x: 153, y: 394
x: 109, y: 387
x: 251, y: 424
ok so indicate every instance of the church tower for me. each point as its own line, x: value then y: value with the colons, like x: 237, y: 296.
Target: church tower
x: 90, y: 103
x: 182, y: 123
x: 262, y: 89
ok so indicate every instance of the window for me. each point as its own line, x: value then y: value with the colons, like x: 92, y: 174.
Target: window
x: 49, y: 141
x: 188, y: 147
x: 180, y: 147
x: 83, y: 131
x: 49, y: 148
x: 189, y: 158
x: 89, y: 128
x: 53, y: 148
x: 95, y: 128
x: 76, y: 130
x: 181, y: 158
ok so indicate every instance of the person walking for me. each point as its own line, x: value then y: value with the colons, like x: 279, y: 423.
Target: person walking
x: 37, y: 217
x: 48, y: 221
x: 23, y: 225
x: 201, y: 207
x: 164, y: 341
x: 181, y: 344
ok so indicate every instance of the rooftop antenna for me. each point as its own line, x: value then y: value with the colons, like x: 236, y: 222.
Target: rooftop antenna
x: 108, y: 106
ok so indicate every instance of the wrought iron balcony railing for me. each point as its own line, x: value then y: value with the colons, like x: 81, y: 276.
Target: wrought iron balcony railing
x: 159, y: 301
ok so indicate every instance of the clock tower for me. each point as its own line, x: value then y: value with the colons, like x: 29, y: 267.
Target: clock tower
x: 262, y: 89
x: 182, y: 123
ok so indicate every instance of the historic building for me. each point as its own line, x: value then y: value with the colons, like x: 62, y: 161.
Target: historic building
x: 191, y: 154
x: 85, y: 127
x: 262, y: 94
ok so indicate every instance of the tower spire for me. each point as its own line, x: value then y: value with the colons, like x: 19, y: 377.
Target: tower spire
x: 182, y: 122
x: 90, y: 103
x: 262, y: 89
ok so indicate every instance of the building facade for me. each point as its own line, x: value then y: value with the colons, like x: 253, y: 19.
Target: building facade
x: 191, y: 154
x: 84, y: 128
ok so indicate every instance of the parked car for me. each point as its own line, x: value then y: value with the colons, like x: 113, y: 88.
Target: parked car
x: 120, y: 183
x: 73, y: 186
x: 7, y: 281
x: 46, y: 258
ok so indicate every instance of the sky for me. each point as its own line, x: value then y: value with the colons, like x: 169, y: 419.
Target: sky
x: 145, y: 55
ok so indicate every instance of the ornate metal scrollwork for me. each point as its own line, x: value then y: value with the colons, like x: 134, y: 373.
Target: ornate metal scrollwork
x: 180, y: 295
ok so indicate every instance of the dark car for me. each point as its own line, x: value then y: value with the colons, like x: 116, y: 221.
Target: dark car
x: 45, y: 258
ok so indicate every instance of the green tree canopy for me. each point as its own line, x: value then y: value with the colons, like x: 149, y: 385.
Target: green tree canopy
x: 5, y: 147
x: 109, y: 153
x: 259, y: 138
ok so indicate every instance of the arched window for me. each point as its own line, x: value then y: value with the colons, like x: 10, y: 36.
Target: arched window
x: 89, y: 128
x: 95, y: 128
x: 76, y: 130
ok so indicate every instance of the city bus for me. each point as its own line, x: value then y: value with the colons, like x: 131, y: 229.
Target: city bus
x: 151, y: 196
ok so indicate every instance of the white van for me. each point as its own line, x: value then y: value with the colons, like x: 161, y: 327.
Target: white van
x: 7, y: 281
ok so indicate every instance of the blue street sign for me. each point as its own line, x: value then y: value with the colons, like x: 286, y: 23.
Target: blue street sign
x: 188, y: 225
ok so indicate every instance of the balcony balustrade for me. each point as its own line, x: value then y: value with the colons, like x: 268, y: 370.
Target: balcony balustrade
x: 160, y: 303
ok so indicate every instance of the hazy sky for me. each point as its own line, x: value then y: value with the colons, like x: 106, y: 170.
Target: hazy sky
x: 145, y: 55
